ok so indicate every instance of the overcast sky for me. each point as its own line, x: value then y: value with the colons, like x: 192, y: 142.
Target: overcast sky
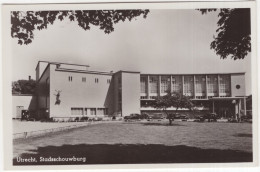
x: 167, y: 41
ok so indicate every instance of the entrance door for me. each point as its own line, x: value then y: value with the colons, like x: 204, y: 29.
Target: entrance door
x: 224, y: 109
x: 225, y: 112
x: 19, y: 111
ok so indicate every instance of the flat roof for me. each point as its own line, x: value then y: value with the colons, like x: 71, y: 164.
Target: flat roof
x: 194, y: 73
x: 84, y: 71
x: 60, y: 63
x: 123, y: 71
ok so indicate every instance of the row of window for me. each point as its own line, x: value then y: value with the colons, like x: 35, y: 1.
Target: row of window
x: 88, y: 111
x: 200, y: 84
x: 84, y: 79
x: 197, y: 97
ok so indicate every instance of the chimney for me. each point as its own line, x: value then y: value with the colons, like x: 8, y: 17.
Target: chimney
x: 29, y: 77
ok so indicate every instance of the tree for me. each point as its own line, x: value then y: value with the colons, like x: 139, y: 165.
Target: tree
x: 233, y: 34
x: 25, y: 22
x: 23, y: 87
x: 173, y: 99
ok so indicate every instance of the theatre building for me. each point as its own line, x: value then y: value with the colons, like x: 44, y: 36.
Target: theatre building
x: 66, y: 91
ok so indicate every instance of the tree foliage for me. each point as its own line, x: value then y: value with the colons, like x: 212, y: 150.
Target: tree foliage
x: 173, y: 99
x: 233, y: 34
x: 23, y: 87
x: 25, y: 22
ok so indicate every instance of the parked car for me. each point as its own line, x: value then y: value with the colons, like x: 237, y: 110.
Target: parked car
x: 211, y: 117
x: 95, y: 118
x: 85, y: 118
x: 171, y: 116
x: 133, y: 116
x: 199, y: 118
x: 177, y: 116
x: 247, y: 118
x: 26, y: 115
x: 183, y: 117
x: 158, y: 116
x: 144, y: 116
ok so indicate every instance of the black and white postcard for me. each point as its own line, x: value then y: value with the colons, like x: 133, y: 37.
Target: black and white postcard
x: 130, y: 85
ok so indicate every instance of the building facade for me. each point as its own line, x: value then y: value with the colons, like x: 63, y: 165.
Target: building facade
x: 70, y: 90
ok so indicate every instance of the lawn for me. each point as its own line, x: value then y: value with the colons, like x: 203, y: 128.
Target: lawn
x: 144, y: 142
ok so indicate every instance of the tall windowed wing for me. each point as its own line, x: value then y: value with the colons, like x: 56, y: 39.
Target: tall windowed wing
x: 212, y: 84
x: 177, y: 84
x: 143, y: 84
x: 188, y: 85
x: 153, y: 84
x: 200, y: 88
x: 224, y: 85
x: 165, y: 83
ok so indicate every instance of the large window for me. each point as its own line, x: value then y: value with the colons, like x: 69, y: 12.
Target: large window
x: 177, y: 84
x: 200, y: 82
x: 143, y: 84
x: 188, y: 85
x: 76, y: 111
x: 224, y: 84
x: 212, y: 82
x: 153, y: 80
x: 165, y: 83
x: 93, y: 111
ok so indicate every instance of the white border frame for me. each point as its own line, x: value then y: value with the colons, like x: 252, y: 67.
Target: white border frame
x: 7, y: 122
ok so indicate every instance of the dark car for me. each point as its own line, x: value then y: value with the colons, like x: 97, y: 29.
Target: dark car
x: 183, y: 117
x: 211, y: 117
x: 247, y: 118
x: 171, y: 116
x: 158, y: 116
x: 199, y: 118
x: 144, y: 116
x: 177, y: 116
x: 26, y: 115
x: 133, y: 116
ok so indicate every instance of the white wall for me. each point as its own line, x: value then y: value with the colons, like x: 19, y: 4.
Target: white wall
x: 130, y: 93
x: 76, y: 94
x: 238, y: 79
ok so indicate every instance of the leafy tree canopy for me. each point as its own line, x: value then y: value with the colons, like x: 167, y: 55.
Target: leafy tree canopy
x: 233, y: 34
x: 25, y: 22
x: 23, y: 87
x: 173, y: 99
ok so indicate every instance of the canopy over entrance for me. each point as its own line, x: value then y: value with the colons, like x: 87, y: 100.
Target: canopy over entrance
x: 229, y: 106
